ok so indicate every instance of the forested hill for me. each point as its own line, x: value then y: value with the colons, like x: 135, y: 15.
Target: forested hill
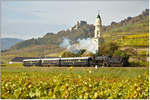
x: 80, y: 30
x: 8, y: 42
x: 118, y: 27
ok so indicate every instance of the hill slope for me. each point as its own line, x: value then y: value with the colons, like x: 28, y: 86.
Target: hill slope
x: 50, y: 39
x: 7, y: 43
x: 131, y: 33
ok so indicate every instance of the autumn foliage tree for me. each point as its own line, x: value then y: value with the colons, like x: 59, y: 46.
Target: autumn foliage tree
x: 111, y: 49
x: 108, y: 49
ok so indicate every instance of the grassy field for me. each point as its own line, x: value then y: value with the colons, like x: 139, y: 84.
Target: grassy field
x: 74, y: 82
x: 107, y: 72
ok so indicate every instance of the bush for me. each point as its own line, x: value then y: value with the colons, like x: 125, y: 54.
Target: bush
x: 139, y: 64
x: 120, y: 53
x: 108, y: 49
x: 68, y: 54
x: 77, y: 53
x: 131, y: 51
x: 80, y: 52
x: 143, y: 53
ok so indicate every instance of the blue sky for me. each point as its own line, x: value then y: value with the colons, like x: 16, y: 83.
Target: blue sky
x: 28, y: 19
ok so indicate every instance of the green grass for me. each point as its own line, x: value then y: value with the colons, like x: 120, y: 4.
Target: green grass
x: 112, y: 72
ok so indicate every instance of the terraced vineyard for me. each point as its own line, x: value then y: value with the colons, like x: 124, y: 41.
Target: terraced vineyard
x: 74, y: 83
x: 135, y: 40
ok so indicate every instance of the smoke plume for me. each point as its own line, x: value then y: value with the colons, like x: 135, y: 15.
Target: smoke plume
x: 86, y: 44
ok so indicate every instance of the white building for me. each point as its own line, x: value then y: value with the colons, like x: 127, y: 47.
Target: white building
x: 97, y: 39
x: 98, y: 27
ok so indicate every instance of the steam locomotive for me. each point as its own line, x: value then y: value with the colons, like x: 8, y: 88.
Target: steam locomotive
x: 78, y: 61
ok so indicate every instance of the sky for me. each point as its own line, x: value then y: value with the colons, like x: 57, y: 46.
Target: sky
x: 33, y: 19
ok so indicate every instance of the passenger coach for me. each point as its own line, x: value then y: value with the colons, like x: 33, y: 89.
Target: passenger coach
x: 32, y: 62
x: 72, y: 61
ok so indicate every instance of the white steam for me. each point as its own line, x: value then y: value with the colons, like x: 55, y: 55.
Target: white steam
x: 65, y: 43
x: 87, y: 44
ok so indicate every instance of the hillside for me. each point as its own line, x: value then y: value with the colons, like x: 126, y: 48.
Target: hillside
x: 80, y: 30
x: 135, y: 29
x: 130, y: 34
x: 9, y: 42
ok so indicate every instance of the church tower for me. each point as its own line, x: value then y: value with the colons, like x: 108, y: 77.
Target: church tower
x: 98, y: 27
x: 97, y: 39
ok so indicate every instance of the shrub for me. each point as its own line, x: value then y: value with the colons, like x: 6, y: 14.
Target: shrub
x: 77, y: 53
x: 120, y: 53
x: 131, y: 51
x: 68, y: 54
x: 108, y: 49
x: 139, y: 64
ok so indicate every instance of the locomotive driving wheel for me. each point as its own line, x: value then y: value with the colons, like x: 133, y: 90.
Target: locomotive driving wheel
x: 105, y: 64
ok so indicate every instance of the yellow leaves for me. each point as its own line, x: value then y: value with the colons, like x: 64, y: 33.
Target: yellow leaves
x: 95, y: 95
x: 90, y: 71
x: 30, y: 86
x: 85, y: 96
x: 38, y: 93
x: 59, y: 87
x: 85, y: 89
x: 17, y: 92
x: 135, y: 36
x: 71, y: 68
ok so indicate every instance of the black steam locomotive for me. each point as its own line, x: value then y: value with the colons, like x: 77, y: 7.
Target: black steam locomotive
x: 78, y: 61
